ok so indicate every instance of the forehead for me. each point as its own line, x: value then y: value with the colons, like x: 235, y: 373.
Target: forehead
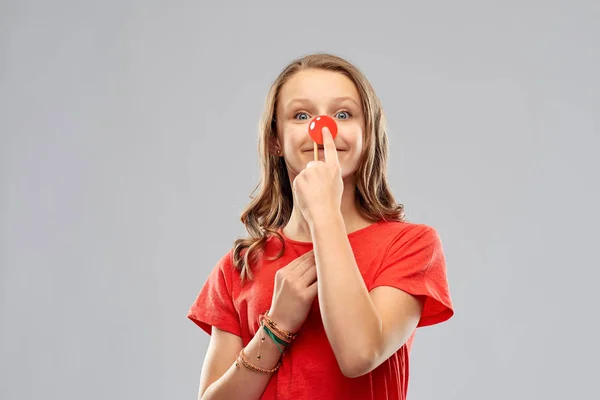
x: 318, y: 86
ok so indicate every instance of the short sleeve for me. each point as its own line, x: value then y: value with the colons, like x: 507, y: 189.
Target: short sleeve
x: 214, y: 304
x: 415, y: 264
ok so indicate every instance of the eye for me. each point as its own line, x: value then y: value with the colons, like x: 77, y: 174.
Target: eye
x: 343, y: 115
x: 301, y: 116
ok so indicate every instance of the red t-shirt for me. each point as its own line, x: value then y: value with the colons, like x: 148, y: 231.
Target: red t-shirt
x: 398, y: 254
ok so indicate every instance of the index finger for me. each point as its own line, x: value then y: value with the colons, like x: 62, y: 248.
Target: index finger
x: 331, y: 156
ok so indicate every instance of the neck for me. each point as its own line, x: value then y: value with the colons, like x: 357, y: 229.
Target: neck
x: 298, y: 229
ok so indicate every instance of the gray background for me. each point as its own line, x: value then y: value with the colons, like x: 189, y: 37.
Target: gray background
x: 128, y: 151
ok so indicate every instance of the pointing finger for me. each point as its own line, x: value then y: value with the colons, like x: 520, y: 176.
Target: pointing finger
x: 331, y: 156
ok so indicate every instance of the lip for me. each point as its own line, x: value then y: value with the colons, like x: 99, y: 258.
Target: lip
x: 319, y: 149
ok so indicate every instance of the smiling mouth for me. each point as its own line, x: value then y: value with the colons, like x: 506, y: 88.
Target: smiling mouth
x: 319, y: 148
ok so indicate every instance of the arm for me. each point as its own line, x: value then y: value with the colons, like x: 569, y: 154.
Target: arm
x: 387, y: 315
x: 221, y: 379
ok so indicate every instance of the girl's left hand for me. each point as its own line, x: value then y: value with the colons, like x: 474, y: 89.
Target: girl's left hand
x: 318, y: 188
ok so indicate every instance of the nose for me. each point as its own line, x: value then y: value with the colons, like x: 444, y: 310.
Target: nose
x: 317, y: 124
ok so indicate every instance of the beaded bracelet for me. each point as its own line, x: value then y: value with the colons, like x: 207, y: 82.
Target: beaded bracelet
x: 277, y: 340
x: 285, y: 336
x: 244, y: 361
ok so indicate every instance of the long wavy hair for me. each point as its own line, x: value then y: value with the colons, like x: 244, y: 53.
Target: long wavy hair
x: 271, y: 209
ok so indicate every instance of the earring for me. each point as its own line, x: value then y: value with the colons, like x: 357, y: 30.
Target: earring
x: 278, y: 152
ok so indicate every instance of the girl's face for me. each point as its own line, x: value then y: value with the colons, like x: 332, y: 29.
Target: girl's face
x: 314, y: 92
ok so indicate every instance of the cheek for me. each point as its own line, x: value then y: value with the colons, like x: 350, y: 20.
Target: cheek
x: 354, y: 139
x: 353, y: 136
x: 294, y: 136
x: 358, y: 144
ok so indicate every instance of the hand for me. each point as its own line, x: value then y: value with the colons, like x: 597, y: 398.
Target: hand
x: 295, y: 290
x: 318, y: 188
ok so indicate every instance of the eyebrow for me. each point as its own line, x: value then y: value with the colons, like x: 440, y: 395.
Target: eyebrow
x: 335, y: 100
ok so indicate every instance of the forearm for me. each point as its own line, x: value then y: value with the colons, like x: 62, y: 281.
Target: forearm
x: 344, y: 298
x: 240, y: 382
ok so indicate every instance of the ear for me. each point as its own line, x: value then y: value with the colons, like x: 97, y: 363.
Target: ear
x: 274, y: 147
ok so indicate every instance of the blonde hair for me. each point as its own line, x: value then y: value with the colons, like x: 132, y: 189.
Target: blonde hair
x: 272, y: 208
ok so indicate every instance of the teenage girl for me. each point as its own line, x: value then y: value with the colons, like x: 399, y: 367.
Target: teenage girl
x: 323, y: 298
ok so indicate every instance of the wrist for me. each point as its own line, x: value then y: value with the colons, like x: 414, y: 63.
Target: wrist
x: 327, y: 221
x: 280, y: 321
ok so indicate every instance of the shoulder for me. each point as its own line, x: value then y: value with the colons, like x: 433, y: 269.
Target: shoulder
x: 385, y: 239
x: 409, y: 241
x: 226, y: 260
x: 400, y: 232
x: 224, y: 271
